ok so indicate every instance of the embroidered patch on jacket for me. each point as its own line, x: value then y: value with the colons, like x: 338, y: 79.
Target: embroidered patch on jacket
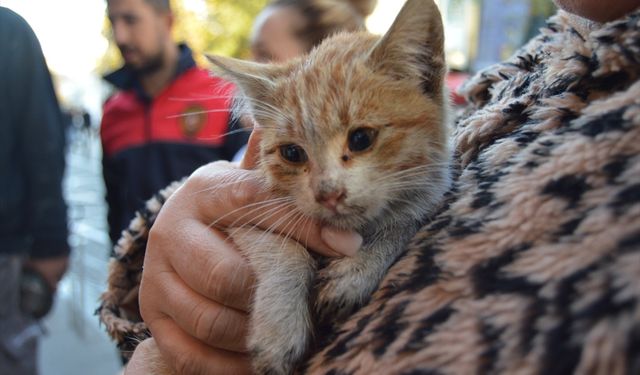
x: 192, y: 120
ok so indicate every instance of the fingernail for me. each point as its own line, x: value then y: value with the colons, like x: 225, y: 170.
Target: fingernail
x: 343, y: 242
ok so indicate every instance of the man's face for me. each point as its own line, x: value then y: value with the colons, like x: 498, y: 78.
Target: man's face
x: 140, y: 31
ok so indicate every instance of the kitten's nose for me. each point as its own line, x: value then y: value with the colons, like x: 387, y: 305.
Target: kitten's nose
x: 331, y: 199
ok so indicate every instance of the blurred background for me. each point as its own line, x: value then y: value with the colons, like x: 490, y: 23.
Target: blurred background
x: 75, y: 37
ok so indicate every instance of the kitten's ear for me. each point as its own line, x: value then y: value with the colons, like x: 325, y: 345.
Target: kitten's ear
x: 254, y: 79
x: 413, y: 48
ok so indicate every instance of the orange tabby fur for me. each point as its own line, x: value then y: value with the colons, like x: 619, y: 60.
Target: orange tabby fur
x: 353, y: 135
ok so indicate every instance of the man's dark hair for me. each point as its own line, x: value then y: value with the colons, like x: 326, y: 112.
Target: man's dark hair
x: 160, y: 5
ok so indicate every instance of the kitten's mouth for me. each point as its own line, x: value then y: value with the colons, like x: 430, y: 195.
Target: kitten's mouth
x: 343, y: 217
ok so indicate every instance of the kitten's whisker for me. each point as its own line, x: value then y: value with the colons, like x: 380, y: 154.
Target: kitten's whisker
x: 254, y: 207
x: 412, y: 173
x: 262, y: 104
x: 287, y: 231
x: 265, y: 215
x: 427, y: 167
x: 200, y: 98
x: 412, y: 181
x: 413, y: 189
x: 264, y: 108
x: 261, y: 211
x: 197, y: 113
x: 232, y: 132
x: 415, y: 180
x: 422, y: 179
x: 277, y: 223
x: 273, y: 116
x: 292, y: 223
x: 307, y: 223
x: 423, y: 188
x: 232, y: 180
x: 283, y: 205
x: 397, y: 199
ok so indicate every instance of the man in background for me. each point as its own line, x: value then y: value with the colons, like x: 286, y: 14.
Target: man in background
x: 168, y: 117
x: 33, y: 224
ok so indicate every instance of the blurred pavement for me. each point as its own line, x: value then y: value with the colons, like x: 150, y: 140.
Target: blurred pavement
x: 75, y: 344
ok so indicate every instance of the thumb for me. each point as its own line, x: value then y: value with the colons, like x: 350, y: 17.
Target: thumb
x: 250, y: 159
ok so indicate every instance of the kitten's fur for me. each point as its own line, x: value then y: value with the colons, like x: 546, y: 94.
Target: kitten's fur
x: 351, y: 89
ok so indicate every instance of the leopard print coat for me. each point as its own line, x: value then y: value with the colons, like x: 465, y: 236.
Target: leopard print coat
x: 533, y: 264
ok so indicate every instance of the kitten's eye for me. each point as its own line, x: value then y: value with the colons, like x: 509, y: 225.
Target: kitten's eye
x: 361, y: 139
x: 293, y: 154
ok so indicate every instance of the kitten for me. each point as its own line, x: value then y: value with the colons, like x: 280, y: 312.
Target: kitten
x: 353, y: 135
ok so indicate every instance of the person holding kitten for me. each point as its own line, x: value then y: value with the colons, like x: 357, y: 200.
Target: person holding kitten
x: 530, y: 265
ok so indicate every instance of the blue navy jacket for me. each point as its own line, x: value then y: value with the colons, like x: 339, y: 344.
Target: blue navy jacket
x: 33, y: 217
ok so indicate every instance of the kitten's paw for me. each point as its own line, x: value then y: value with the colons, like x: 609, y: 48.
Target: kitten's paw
x: 342, y: 287
x: 280, y: 338
x: 332, y: 307
x: 335, y: 303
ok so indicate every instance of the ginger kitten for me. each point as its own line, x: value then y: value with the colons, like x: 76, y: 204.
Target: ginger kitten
x: 353, y: 135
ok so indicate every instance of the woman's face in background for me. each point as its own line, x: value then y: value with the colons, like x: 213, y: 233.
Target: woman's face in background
x: 274, y: 37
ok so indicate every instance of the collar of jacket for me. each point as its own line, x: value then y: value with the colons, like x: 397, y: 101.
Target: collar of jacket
x: 126, y: 79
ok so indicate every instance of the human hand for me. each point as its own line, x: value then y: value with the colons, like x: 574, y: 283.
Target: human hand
x: 196, y: 286
x: 146, y: 360
x: 51, y: 269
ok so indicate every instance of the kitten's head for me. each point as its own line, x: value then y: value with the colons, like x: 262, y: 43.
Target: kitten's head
x: 357, y: 127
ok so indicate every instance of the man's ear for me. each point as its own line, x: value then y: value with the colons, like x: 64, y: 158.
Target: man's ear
x: 170, y: 20
x: 413, y: 48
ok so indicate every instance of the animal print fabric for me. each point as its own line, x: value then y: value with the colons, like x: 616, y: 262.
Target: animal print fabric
x: 532, y: 266
x: 119, y: 309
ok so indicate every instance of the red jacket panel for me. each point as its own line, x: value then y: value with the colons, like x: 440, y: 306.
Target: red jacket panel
x: 149, y: 143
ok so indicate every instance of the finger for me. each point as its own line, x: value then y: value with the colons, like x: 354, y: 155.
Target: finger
x: 206, y: 261
x: 189, y: 356
x: 247, y: 122
x: 212, y: 323
x: 236, y: 197
x: 250, y: 159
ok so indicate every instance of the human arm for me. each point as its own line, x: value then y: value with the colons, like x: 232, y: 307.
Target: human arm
x: 514, y: 248
x: 37, y: 121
